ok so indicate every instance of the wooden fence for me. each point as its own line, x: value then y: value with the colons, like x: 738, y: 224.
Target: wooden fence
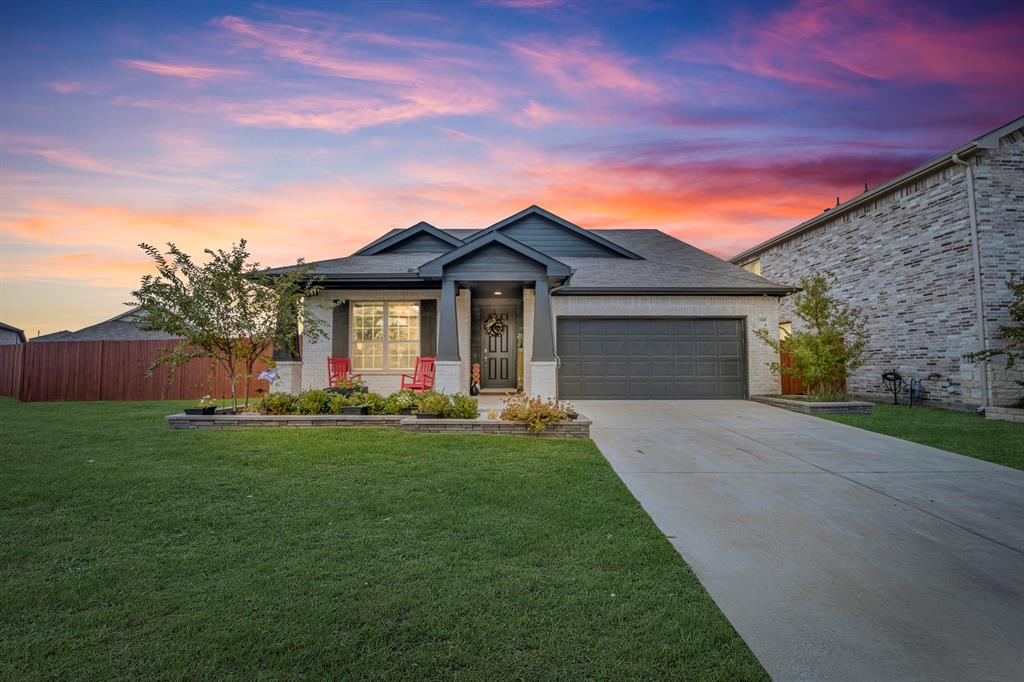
x: 107, y: 370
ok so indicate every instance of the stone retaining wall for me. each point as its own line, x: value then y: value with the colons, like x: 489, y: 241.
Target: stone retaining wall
x: 1005, y: 414
x: 807, y: 407
x: 580, y: 428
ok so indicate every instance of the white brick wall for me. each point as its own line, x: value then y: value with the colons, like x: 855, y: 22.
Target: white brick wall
x: 314, y: 355
x: 757, y: 311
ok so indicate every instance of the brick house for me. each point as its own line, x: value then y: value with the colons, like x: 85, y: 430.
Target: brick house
x: 926, y: 257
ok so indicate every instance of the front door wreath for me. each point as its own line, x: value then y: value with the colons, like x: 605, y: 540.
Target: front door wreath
x: 494, y: 325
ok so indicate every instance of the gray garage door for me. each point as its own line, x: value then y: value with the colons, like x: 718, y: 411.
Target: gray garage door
x: 653, y: 358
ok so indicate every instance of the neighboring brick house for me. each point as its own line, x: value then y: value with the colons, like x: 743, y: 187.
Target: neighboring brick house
x: 908, y: 254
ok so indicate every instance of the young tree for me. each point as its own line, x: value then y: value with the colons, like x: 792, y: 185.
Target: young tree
x: 227, y: 309
x: 830, y: 344
x: 1012, y: 334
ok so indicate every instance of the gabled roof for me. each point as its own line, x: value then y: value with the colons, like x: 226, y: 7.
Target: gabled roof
x: 989, y: 140
x: 435, y: 267
x: 19, y: 332
x: 562, y: 222
x: 397, y: 237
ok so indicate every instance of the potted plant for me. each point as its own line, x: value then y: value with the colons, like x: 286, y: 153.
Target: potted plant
x: 349, y: 387
x: 354, y: 404
x: 432, y: 405
x: 206, y: 405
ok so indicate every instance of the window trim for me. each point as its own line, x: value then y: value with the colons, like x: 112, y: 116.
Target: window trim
x: 385, y: 341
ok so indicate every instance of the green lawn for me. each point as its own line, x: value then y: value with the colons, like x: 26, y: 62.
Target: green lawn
x: 963, y: 432
x: 129, y: 550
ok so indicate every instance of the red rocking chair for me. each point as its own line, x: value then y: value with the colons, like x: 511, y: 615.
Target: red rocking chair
x: 422, y: 378
x: 339, y: 370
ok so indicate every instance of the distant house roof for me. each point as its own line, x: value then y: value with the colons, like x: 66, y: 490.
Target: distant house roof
x: 19, y: 332
x: 989, y: 140
x: 123, y: 327
x: 630, y: 261
x: 53, y: 336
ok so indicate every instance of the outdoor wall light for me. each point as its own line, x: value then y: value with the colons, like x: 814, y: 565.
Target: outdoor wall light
x: 497, y: 293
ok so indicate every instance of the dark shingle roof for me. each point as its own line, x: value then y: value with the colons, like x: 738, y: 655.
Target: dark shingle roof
x: 667, y: 264
x: 123, y: 327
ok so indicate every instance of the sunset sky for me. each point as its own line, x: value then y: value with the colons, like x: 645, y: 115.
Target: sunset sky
x: 310, y: 130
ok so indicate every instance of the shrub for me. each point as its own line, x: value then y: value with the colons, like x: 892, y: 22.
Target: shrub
x: 832, y: 343
x: 463, y: 407
x: 277, y: 403
x: 432, y: 402
x: 401, y: 400
x: 314, y: 402
x: 377, y: 403
x: 536, y: 412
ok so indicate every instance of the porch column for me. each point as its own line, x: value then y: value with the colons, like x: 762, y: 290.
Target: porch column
x: 447, y: 324
x: 543, y: 334
x: 447, y: 369
x: 543, y: 365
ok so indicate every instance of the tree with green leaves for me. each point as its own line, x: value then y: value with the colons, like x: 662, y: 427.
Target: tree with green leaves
x: 1012, y: 334
x: 829, y: 345
x: 226, y: 309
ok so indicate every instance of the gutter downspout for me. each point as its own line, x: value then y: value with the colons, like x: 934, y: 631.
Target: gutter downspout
x: 979, y: 298
x: 554, y: 325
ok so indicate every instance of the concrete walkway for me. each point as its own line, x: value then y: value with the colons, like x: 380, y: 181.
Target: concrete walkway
x: 838, y: 554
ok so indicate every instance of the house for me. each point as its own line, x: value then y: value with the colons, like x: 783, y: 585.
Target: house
x: 10, y: 335
x: 123, y: 327
x: 926, y: 256
x: 595, y: 313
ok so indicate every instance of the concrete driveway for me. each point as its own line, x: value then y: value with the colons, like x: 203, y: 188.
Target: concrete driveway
x: 838, y: 554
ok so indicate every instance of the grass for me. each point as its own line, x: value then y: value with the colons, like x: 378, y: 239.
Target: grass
x: 128, y: 550
x: 962, y: 432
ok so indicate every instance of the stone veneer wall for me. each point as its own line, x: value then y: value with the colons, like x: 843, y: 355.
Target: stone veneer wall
x: 905, y: 260
x: 758, y: 311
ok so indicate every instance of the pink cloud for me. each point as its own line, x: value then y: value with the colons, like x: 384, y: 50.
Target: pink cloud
x: 833, y: 43
x: 66, y: 87
x: 584, y: 66
x: 186, y: 71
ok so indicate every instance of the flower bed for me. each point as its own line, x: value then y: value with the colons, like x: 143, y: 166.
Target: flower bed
x: 798, y: 404
x: 431, y: 412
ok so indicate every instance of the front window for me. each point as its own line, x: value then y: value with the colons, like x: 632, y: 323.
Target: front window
x: 385, y: 335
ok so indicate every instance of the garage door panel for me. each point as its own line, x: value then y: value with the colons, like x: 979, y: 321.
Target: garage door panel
x: 645, y: 358
x: 706, y: 348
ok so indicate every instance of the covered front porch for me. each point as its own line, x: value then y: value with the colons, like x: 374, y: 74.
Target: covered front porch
x: 498, y: 335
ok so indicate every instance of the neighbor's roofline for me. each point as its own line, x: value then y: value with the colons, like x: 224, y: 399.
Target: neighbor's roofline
x: 989, y: 140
